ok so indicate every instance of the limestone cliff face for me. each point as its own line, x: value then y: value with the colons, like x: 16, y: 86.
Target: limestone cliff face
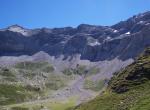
x: 96, y: 43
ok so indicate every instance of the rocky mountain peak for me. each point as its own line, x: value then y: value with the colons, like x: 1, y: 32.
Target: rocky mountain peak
x: 18, y: 29
x: 133, y: 24
x: 15, y: 26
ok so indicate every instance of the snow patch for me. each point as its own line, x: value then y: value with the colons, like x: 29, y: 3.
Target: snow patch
x: 108, y: 38
x: 128, y: 33
x: 115, y: 31
x: 94, y: 43
x: 141, y: 22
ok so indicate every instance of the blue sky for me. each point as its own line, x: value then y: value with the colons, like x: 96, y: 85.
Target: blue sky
x: 62, y: 13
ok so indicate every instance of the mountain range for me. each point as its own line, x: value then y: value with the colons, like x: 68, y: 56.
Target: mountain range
x: 95, y: 43
x: 64, y: 67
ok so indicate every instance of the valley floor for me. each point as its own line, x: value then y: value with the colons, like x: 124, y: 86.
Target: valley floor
x: 62, y: 99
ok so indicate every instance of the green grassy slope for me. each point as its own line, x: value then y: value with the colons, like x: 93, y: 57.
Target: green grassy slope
x: 128, y: 90
x: 10, y: 94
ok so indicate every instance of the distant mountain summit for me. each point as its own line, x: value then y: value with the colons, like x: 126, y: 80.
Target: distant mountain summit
x: 18, y: 29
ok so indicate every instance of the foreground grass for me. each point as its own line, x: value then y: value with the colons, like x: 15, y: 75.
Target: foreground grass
x: 136, y: 99
x: 49, y: 105
x: 12, y: 94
